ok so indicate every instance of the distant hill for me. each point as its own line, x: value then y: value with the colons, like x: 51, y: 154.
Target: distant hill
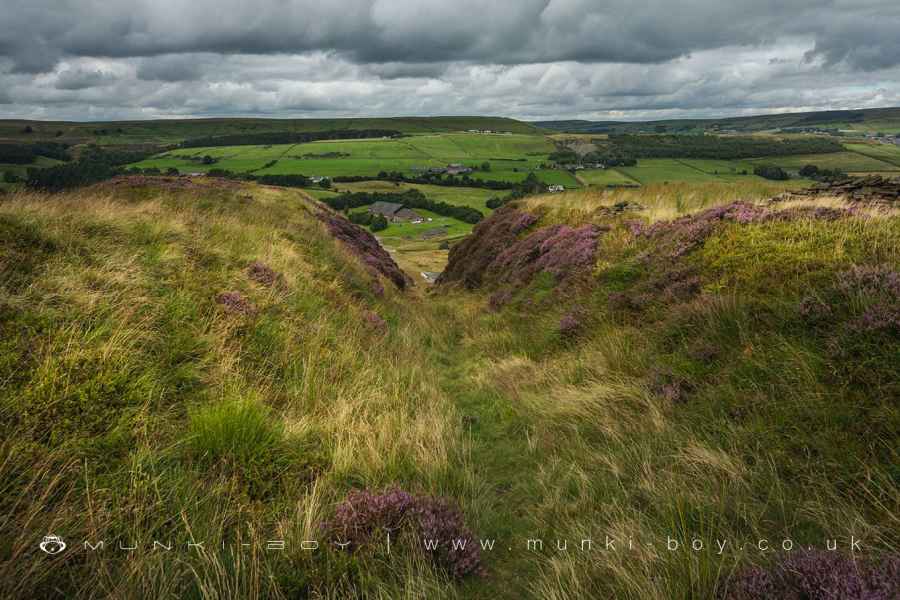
x: 170, y: 131
x: 886, y: 120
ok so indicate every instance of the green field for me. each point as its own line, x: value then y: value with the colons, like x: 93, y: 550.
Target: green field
x: 511, y: 157
x: 605, y: 177
x: 883, y: 152
x: 845, y: 161
x: 460, y: 196
x: 659, y: 170
x: 718, y: 167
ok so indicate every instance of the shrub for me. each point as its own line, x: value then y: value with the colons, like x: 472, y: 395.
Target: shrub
x: 818, y: 575
x: 379, y: 223
x: 375, y: 322
x: 366, y: 515
x: 771, y: 172
x: 570, y: 325
x: 234, y: 302
x: 263, y: 274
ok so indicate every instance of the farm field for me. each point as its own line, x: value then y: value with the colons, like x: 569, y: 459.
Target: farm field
x: 883, y: 152
x: 460, y: 196
x: 718, y: 167
x: 605, y: 177
x: 845, y: 161
x: 512, y: 157
x: 660, y: 170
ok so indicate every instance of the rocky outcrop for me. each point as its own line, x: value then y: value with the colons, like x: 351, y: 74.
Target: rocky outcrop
x: 873, y: 188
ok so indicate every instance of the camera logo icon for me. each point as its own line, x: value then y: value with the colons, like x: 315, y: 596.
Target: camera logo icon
x: 52, y: 544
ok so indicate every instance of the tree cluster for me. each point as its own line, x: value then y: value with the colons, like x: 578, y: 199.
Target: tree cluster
x: 372, y: 221
x: 814, y: 172
x: 25, y: 154
x: 428, y: 179
x: 95, y: 164
x: 531, y: 185
x: 771, y: 172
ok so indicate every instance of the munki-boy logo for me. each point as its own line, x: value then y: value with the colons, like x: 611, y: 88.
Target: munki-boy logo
x: 52, y: 544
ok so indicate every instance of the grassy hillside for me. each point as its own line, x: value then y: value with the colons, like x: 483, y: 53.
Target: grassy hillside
x: 169, y: 131
x: 205, y: 360
x: 886, y: 120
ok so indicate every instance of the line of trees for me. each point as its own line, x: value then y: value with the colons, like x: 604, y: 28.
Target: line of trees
x: 814, y: 172
x: 608, y: 157
x: 410, y: 199
x: 94, y: 165
x: 372, y: 221
x: 771, y: 172
x: 287, y: 137
x: 428, y: 179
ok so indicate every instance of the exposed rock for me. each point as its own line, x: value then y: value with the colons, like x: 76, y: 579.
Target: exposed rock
x: 871, y: 189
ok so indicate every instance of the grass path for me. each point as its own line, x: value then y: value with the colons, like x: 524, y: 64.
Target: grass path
x: 502, y: 462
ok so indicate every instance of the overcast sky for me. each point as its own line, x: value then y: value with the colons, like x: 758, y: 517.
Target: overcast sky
x: 529, y: 59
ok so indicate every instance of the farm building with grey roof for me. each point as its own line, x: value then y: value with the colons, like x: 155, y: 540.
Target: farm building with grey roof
x: 394, y: 212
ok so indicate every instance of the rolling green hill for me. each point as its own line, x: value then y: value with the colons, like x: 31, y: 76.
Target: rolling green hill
x: 886, y: 120
x: 177, y: 130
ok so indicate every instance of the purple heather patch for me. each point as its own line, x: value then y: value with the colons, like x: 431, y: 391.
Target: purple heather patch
x: 560, y: 250
x: 366, y: 515
x: 818, y: 575
x: 570, y: 325
x: 469, y: 259
x: 234, y: 302
x: 499, y: 299
x: 374, y: 320
x: 364, y: 245
x: 263, y: 274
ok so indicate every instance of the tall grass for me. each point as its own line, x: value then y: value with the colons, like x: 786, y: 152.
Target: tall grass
x: 135, y: 407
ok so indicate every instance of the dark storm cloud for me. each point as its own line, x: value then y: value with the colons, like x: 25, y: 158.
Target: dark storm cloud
x: 529, y: 58
x: 37, y: 33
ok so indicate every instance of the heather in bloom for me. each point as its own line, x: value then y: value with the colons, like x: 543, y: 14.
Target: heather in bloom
x: 499, y: 299
x: 374, y: 320
x: 364, y: 245
x: 366, y: 516
x: 569, y: 325
x: 818, y: 575
x: 263, y: 274
x: 469, y: 259
x: 234, y: 302
x: 560, y: 250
